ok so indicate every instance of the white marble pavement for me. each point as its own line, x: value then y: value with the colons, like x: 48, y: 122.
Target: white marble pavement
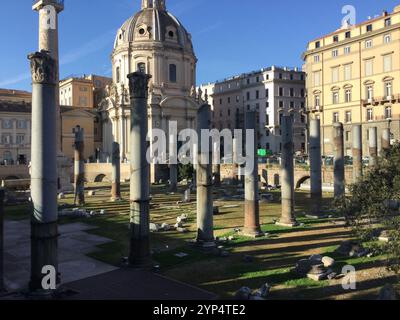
x: 74, y: 243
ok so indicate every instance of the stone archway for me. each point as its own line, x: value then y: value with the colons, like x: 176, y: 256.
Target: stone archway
x: 101, y: 178
x: 301, y: 181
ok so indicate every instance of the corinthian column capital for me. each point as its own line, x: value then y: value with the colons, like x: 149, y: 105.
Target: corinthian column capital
x: 43, y: 68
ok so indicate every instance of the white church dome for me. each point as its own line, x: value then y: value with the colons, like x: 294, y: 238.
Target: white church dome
x: 153, y: 24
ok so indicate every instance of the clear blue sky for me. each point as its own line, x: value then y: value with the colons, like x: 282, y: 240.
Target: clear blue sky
x: 230, y: 36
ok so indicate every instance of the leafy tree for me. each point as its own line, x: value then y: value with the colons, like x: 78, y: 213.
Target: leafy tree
x: 374, y: 206
x: 185, y: 172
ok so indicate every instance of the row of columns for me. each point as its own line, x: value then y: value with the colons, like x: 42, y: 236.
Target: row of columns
x: 339, y: 164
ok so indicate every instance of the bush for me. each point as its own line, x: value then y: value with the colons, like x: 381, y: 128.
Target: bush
x: 373, y: 206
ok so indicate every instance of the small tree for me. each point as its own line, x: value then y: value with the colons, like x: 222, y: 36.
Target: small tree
x: 374, y: 205
x: 185, y: 171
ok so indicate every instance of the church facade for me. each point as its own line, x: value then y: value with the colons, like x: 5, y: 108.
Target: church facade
x: 155, y: 42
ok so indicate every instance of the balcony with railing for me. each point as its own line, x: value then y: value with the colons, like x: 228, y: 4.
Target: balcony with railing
x: 381, y: 100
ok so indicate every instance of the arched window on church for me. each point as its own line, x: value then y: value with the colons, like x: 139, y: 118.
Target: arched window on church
x: 172, y: 73
x: 118, y: 74
x: 141, y: 67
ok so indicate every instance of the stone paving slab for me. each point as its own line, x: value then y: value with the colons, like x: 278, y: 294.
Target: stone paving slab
x: 131, y: 284
x: 74, y: 243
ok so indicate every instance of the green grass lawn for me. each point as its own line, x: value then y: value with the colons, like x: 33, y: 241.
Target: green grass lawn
x: 274, y: 256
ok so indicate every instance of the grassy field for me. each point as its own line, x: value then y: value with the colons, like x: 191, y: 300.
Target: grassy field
x: 273, y: 256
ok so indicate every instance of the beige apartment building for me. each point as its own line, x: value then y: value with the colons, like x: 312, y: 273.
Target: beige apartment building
x: 353, y: 77
x: 76, y: 92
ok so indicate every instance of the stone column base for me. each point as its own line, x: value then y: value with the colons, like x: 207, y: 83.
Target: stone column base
x: 287, y: 224
x: 251, y: 233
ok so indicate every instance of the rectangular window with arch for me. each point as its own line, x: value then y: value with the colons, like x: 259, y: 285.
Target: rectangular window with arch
x: 172, y: 73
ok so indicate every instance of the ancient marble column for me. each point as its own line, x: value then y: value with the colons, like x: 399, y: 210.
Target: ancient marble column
x: 235, y: 165
x: 357, y: 153
x: 116, y: 173
x: 252, y: 206
x: 79, y: 166
x: 373, y: 146
x: 338, y: 151
x: 205, y: 225
x: 173, y: 163
x: 2, y: 288
x: 386, y: 139
x: 216, y: 164
x: 139, y: 250
x: 44, y: 217
x: 48, y: 41
x: 287, y: 173
x: 316, y: 165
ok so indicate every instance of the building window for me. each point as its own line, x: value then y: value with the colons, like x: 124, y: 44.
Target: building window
x: 141, y: 67
x: 387, y: 63
x: 257, y: 94
x: 20, y: 139
x: 348, y: 117
x: 257, y: 79
x: 347, y: 135
x: 316, y: 58
x: 388, y: 22
x: 302, y: 93
x: 220, y: 101
x: 369, y: 67
x: 368, y: 44
x: 6, y: 138
x: 335, y: 53
x: 118, y: 74
x: 280, y: 76
x: 267, y: 93
x: 347, y: 72
x: 369, y: 28
x: 370, y: 115
x: 281, y: 92
x: 22, y: 124
x: 248, y: 81
x: 229, y: 100
x: 248, y: 96
x: 291, y: 92
x: 317, y: 100
x: 347, y: 95
x: 291, y: 104
x: 7, y: 124
x: 237, y: 98
x: 335, y: 97
x: 317, y: 44
x: 335, y: 117
x: 172, y: 73
x: 348, y: 34
x: 291, y: 76
x: 388, y: 112
x: 347, y: 50
x: 370, y: 92
x: 336, y: 38
x: 387, y: 38
x: 388, y: 89
x: 335, y: 74
x: 317, y: 78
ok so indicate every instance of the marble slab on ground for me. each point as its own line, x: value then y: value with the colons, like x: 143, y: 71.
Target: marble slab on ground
x: 74, y: 243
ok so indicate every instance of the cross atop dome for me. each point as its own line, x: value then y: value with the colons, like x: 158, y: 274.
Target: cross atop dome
x: 157, y: 4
